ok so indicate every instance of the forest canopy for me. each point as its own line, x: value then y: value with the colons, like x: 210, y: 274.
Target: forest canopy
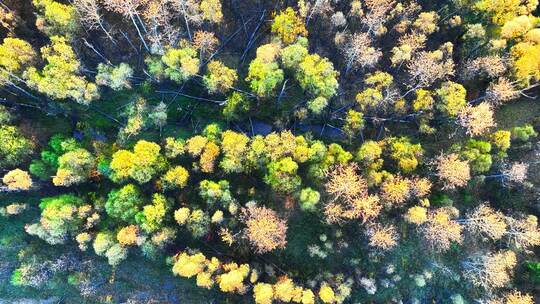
x: 310, y: 151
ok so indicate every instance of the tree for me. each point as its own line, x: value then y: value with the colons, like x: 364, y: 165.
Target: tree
x: 405, y: 153
x: 59, y: 219
x: 483, y: 221
x: 500, y: 11
x: 152, y: 216
x: 124, y: 203
x: 476, y: 119
x: 263, y: 293
x: 416, y: 215
x: 282, y: 175
x: 349, y: 197
x: 74, y: 167
x: 359, y: 52
x: 137, y: 119
x: 180, y: 63
x: 288, y: 26
x: 211, y: 10
x: 395, y: 191
x: 14, y: 147
x: 501, y: 91
x: 55, y: 18
x: 264, y: 73
x: 175, y: 178
x: 317, y: 76
x: 428, y: 67
x: 115, y: 77
x: 127, y: 236
x: 234, y: 146
x: 215, y: 192
x: 219, y: 78
x: 16, y: 55
x: 205, y: 42
x: 158, y: 117
x: 309, y: 199
x: 232, y: 280
x: 354, y: 123
x: 441, y: 229
x: 293, y: 54
x: 523, y: 232
x: 264, y: 229
x: 144, y: 163
x: 236, y: 105
x: 452, y: 98
x: 452, y: 171
x: 90, y: 16
x: 491, y: 270
x: 60, y: 78
x: 326, y: 293
x: 174, y: 147
x: 382, y: 237
x: 187, y: 266
x: 17, y: 180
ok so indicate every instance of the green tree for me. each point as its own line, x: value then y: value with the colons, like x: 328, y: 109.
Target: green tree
x: 309, y: 199
x: 114, y: 77
x: 317, y: 76
x: 282, y: 175
x: 152, y: 217
x: 124, y: 203
x: 236, y: 106
x: 14, y: 147
x: 180, y: 64
x: 264, y: 77
x: 215, y: 192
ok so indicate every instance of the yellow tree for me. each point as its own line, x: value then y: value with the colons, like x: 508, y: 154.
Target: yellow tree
x: 288, y: 26
x: 17, y: 180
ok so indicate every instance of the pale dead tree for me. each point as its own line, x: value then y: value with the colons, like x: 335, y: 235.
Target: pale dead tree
x: 491, y: 270
x: 129, y: 9
x: 452, y: 171
x: 426, y: 23
x: 382, y: 237
x: 476, y: 119
x: 205, y: 42
x: 159, y: 16
x: 491, y: 66
x: 427, y: 68
x: 516, y: 173
x: 191, y: 13
x: 441, y: 229
x: 349, y: 197
x: 91, y: 17
x: 338, y: 19
x: 311, y: 8
x: 359, y: 52
x: 485, y: 222
x: 376, y: 15
x: 8, y: 18
x: 501, y: 91
x: 523, y: 232
x: 344, y: 183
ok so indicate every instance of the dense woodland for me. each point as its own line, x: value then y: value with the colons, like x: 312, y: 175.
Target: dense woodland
x: 311, y: 151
